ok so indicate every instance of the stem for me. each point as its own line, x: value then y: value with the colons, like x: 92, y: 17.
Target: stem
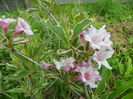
x: 27, y: 58
x: 86, y: 92
x: 54, y: 19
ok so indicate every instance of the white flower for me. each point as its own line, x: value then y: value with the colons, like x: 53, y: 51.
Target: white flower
x: 23, y: 26
x: 67, y: 64
x: 58, y: 64
x: 88, y: 74
x: 107, y: 41
x: 97, y: 38
x: 102, y: 55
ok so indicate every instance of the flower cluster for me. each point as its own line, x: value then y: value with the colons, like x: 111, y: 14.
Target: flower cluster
x: 22, y: 26
x: 100, y: 44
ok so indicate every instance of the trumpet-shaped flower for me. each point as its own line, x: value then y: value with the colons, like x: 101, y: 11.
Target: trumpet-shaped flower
x: 88, y: 74
x: 102, y: 55
x: 97, y: 38
x: 23, y: 27
x: 67, y: 64
x: 4, y: 23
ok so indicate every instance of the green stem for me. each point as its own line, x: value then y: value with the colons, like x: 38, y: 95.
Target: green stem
x: 54, y: 19
x: 27, y: 58
x: 86, y: 92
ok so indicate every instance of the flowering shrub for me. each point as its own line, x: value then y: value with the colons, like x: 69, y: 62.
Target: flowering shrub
x: 69, y: 55
x: 100, y: 44
x: 95, y: 43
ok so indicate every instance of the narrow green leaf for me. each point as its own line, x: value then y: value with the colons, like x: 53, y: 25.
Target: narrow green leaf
x: 20, y: 74
x: 16, y: 90
x: 79, y: 28
x: 101, y: 86
x: 76, y: 87
x: 121, y: 90
x: 11, y: 67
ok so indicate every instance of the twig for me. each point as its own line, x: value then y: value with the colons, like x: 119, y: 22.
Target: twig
x: 27, y: 58
x: 54, y: 19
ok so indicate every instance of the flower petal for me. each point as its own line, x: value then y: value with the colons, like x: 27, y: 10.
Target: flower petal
x: 58, y: 64
x: 23, y: 26
x: 105, y: 63
x: 4, y: 23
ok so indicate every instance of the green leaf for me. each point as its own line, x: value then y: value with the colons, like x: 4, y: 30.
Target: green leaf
x: 79, y: 28
x: 101, y: 87
x: 19, y: 40
x: 57, y: 30
x: 105, y: 76
x: 75, y: 12
x: 128, y: 96
x: 11, y: 67
x: 121, y: 90
x: 76, y: 87
x: 104, y: 96
x: 16, y: 90
x: 20, y: 74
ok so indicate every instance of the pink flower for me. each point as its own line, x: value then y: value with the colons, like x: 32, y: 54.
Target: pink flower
x: 88, y: 74
x: 97, y: 38
x: 82, y: 38
x: 45, y: 65
x: 67, y: 64
x: 4, y: 23
x: 102, y: 55
x: 23, y: 27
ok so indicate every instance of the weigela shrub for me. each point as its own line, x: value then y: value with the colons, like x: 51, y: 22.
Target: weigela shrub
x: 101, y: 46
x: 86, y: 71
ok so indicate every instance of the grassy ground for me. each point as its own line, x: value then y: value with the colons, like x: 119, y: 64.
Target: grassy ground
x: 40, y: 84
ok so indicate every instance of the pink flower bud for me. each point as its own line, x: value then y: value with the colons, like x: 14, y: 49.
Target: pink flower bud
x: 81, y: 37
x: 45, y: 65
